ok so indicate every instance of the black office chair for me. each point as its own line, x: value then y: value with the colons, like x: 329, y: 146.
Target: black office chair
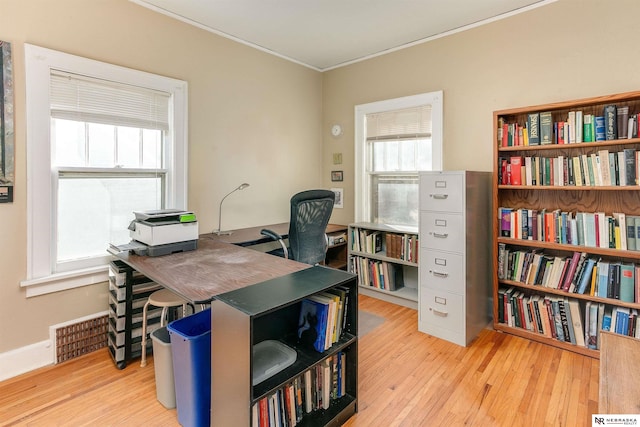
x: 310, y: 213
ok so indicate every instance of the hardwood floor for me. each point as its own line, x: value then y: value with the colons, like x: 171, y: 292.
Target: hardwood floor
x: 406, y: 378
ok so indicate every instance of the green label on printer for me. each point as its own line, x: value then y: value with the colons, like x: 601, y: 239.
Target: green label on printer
x: 187, y: 218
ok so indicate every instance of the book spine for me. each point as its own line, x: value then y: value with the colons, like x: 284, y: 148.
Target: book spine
x: 546, y: 128
x: 610, y: 122
x: 533, y: 128
x: 600, y: 129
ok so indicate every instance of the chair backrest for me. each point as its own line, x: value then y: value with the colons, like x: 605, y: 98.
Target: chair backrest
x: 310, y: 213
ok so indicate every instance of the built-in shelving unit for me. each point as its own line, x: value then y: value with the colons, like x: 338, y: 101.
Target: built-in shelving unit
x: 385, y: 259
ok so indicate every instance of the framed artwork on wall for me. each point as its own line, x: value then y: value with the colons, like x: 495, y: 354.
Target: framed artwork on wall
x: 339, y: 197
x: 336, y: 176
x: 7, y: 150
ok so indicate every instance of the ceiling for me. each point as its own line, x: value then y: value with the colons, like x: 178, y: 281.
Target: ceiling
x: 326, y: 34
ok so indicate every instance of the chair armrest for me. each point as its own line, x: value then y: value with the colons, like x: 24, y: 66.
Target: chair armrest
x: 270, y: 233
x: 275, y: 236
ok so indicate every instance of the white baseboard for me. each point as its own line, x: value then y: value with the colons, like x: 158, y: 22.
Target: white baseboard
x: 34, y: 356
x: 25, y: 359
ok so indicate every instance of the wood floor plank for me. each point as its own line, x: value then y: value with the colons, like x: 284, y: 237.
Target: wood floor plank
x: 406, y: 378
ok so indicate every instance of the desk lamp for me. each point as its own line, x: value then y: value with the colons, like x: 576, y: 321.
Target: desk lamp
x: 240, y: 187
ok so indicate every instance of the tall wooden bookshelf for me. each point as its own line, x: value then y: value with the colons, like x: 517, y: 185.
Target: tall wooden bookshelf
x: 546, y: 212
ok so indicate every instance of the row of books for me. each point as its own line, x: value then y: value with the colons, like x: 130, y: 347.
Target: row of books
x: 313, y: 390
x: 591, y: 229
x: 402, y: 246
x: 599, y: 169
x: 565, y: 319
x: 378, y: 274
x: 393, y: 245
x: 368, y: 241
x: 323, y: 318
x: 578, y: 273
x: 540, y: 128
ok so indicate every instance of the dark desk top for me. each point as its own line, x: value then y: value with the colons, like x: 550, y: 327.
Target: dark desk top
x: 213, y: 268
x: 251, y: 236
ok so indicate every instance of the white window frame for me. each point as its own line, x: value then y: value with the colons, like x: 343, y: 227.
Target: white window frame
x: 42, y: 178
x: 362, y: 185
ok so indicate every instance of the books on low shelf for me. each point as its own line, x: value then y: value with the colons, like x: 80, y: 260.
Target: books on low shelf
x: 313, y: 390
x: 565, y: 319
x: 322, y: 319
x: 377, y: 274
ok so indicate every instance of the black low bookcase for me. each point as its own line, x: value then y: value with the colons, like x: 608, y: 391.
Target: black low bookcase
x: 270, y: 311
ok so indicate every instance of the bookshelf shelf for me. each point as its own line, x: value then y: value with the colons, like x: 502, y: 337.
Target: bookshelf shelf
x: 534, y: 288
x: 568, y: 188
x: 380, y: 257
x: 577, y: 146
x: 553, y: 222
x: 539, y: 338
x: 375, y: 249
x: 557, y: 246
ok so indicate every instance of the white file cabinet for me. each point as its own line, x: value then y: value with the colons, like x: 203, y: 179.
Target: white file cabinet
x: 454, y: 293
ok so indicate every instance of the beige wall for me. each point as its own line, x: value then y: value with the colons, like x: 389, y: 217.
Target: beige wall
x: 564, y: 50
x: 252, y: 118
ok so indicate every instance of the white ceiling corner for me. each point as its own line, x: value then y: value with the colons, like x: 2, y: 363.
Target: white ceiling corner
x: 328, y: 34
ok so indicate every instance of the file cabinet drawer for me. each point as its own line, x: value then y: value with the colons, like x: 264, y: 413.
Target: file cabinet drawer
x: 441, y: 192
x: 442, y: 271
x: 441, y: 231
x: 441, y: 310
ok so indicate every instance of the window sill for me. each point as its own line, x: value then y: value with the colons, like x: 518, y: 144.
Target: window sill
x: 65, y: 281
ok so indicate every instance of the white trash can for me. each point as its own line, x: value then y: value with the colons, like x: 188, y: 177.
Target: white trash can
x: 163, y: 365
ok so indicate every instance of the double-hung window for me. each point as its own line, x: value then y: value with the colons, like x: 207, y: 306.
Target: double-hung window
x: 395, y: 141
x: 103, y: 141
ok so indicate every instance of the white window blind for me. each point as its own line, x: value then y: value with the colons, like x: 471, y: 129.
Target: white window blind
x: 408, y: 123
x: 87, y: 99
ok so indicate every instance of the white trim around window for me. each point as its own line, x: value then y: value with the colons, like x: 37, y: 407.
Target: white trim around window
x: 41, y: 177
x: 362, y: 190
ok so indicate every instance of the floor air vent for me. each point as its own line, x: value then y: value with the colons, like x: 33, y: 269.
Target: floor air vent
x: 80, y: 338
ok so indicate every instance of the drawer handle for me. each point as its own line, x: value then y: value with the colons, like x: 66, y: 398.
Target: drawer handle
x: 439, y: 313
x: 441, y: 235
x: 440, y: 196
x: 439, y: 274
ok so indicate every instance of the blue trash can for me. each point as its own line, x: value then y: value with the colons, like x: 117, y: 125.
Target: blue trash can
x: 191, y: 351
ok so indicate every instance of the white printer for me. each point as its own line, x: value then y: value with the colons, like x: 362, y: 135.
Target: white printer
x: 162, y: 232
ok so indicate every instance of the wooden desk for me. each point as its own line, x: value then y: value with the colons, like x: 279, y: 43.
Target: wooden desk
x: 219, y: 264
x: 214, y: 268
x: 619, y: 374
